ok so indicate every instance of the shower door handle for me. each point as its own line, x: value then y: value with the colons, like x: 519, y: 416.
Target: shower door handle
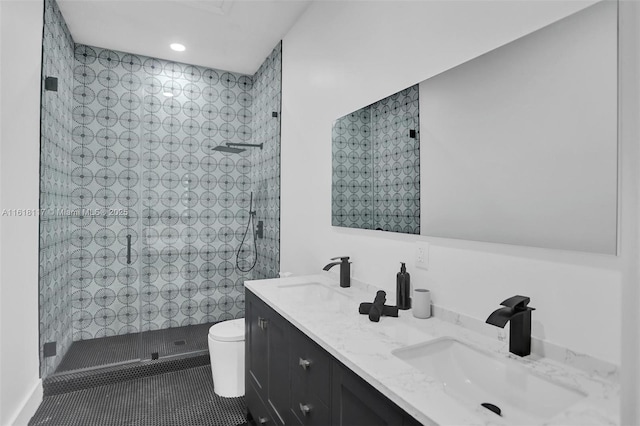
x: 129, y: 249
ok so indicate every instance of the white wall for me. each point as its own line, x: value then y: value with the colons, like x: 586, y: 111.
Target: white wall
x: 341, y: 56
x: 20, y: 47
x: 629, y: 132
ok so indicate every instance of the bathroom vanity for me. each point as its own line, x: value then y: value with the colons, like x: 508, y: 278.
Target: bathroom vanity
x: 312, y: 359
x: 292, y: 380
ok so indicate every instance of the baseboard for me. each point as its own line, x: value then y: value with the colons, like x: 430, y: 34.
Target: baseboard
x: 29, y: 406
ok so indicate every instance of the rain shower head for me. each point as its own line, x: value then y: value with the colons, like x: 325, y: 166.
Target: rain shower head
x: 229, y: 147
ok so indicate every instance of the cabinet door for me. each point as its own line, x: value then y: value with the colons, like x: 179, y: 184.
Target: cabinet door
x: 257, y: 343
x: 257, y: 408
x: 278, y: 353
x: 356, y: 403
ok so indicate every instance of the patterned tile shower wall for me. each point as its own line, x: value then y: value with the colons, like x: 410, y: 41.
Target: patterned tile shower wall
x: 55, y: 188
x: 376, y: 166
x: 265, y: 171
x: 195, y: 199
x: 144, y: 133
x: 396, y: 162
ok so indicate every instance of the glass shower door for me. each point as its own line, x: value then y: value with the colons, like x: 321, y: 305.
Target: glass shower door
x: 176, y: 274
x: 105, y: 219
x: 115, y: 222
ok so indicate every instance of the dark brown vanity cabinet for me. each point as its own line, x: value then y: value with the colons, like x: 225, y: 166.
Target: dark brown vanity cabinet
x: 293, y: 381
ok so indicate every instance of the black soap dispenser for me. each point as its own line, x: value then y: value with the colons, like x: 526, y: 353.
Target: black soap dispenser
x: 403, y: 288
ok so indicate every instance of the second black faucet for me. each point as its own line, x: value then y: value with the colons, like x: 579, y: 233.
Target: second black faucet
x: 515, y: 310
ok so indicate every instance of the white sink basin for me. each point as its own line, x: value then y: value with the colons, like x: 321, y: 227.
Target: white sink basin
x: 475, y: 377
x: 308, y: 292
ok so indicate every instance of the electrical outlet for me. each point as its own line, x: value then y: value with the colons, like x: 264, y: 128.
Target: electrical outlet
x: 422, y: 255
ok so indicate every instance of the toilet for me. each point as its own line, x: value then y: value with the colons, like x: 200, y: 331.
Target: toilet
x: 226, y: 350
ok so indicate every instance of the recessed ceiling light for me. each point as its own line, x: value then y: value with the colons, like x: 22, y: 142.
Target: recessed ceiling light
x: 168, y: 94
x: 177, y: 47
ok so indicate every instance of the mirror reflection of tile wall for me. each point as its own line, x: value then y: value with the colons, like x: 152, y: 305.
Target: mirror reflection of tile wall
x: 376, y: 166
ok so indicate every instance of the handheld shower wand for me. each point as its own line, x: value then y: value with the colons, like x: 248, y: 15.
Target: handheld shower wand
x: 250, y: 222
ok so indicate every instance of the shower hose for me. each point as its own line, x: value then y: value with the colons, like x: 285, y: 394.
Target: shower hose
x: 250, y: 223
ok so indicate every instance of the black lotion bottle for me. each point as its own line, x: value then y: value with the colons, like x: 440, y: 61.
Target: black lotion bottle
x: 403, y: 288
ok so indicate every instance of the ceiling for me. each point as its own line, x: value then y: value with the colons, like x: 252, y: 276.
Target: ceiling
x: 231, y: 35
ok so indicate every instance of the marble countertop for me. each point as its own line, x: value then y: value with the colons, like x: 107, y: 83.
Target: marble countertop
x: 328, y: 314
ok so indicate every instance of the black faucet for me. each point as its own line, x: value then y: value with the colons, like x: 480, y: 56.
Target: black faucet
x: 515, y: 310
x: 345, y: 270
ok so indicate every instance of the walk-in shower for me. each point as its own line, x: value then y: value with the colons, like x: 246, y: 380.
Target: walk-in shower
x: 146, y: 224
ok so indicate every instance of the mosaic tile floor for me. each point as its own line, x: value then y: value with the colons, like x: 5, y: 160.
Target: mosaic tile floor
x: 180, y: 398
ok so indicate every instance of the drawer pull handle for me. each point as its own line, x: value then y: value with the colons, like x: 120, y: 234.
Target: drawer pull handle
x: 304, y: 363
x: 262, y: 323
x: 305, y: 408
x: 263, y: 420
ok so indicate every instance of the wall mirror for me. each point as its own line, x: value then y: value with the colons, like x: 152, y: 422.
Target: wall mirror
x: 516, y: 146
x: 519, y: 146
x: 376, y: 166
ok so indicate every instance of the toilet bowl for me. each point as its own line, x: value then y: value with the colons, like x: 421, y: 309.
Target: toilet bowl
x: 226, y: 350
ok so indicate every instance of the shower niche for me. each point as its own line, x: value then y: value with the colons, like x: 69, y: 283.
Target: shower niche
x: 147, y: 231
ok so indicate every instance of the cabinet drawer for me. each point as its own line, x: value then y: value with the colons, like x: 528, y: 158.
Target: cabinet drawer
x: 257, y: 408
x: 310, y: 412
x: 311, y: 369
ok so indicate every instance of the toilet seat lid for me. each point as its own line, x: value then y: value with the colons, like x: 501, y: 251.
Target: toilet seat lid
x: 228, y: 331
